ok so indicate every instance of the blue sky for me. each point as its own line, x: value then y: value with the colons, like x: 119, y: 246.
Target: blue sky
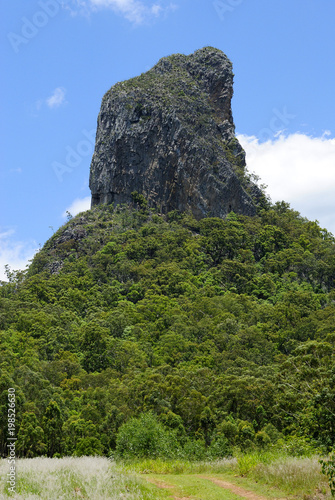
x: 60, y: 57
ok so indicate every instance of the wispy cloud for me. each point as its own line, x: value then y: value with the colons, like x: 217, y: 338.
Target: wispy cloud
x: 17, y: 254
x: 14, y: 253
x: 57, y: 98
x: 135, y: 11
x: 298, y: 169
x: 77, y: 206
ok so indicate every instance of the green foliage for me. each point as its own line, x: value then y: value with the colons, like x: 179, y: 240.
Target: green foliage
x: 328, y: 469
x: 30, y: 440
x: 52, y: 426
x: 139, y: 199
x: 220, y: 331
x: 247, y: 463
x: 80, y: 437
x: 145, y: 437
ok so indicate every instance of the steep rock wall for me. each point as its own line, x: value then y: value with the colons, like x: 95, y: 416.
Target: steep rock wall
x: 169, y: 135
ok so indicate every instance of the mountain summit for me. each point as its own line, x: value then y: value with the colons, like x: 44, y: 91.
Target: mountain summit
x: 169, y: 135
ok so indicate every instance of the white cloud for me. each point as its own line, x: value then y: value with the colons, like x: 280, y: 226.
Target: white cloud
x: 14, y: 253
x: 298, y: 169
x: 135, y: 11
x: 156, y: 9
x: 77, y: 206
x: 57, y: 98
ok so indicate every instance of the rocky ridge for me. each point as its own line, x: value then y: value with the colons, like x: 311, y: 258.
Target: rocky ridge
x: 169, y: 135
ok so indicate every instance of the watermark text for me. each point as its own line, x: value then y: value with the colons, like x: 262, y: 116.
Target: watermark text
x: 74, y: 156
x: 223, y: 7
x: 31, y: 26
x: 11, y: 481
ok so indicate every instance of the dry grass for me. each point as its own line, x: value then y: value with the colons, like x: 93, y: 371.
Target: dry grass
x: 298, y: 476
x: 69, y: 478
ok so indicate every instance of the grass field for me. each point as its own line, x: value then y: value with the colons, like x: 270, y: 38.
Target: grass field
x: 68, y: 478
x: 249, y: 476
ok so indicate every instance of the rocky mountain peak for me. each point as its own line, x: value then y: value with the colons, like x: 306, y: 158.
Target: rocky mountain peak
x: 169, y: 135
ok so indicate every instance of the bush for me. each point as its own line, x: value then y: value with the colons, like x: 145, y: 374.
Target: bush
x: 89, y: 446
x: 145, y: 437
x: 296, y: 446
x: 219, y: 448
x: 195, y: 450
x: 262, y: 439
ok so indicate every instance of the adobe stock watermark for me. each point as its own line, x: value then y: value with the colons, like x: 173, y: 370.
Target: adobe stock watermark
x: 11, y: 454
x: 30, y: 27
x: 278, y: 121
x: 222, y: 7
x: 74, y: 156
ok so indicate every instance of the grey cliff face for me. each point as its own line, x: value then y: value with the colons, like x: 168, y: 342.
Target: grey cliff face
x: 169, y: 135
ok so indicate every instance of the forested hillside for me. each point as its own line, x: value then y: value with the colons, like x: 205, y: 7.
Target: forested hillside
x: 212, y: 334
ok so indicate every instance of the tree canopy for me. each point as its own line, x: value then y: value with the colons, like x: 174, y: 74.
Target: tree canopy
x: 220, y: 332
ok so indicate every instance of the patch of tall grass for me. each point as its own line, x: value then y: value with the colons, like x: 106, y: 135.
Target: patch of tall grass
x: 72, y: 477
x: 159, y: 466
x: 298, y: 476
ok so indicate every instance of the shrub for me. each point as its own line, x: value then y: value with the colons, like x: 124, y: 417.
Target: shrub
x: 145, y: 437
x: 262, y: 439
x: 88, y: 446
x: 219, y: 448
x: 195, y: 449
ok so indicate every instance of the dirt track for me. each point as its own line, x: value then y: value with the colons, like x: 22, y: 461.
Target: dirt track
x: 238, y: 490
x: 233, y: 488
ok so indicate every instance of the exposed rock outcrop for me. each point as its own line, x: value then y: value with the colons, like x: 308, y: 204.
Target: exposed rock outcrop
x: 169, y: 135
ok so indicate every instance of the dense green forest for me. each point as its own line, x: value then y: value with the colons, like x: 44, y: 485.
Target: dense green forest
x: 138, y: 334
